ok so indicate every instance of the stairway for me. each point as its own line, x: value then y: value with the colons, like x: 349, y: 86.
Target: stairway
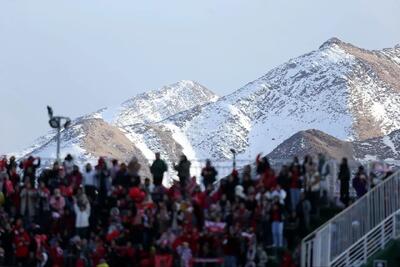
x: 359, y: 231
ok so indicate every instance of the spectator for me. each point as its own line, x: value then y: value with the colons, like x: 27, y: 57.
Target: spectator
x: 185, y: 253
x: 231, y: 247
x: 89, y: 181
x: 279, y: 194
x: 103, y: 179
x: 303, y: 210
x: 82, y: 213
x: 291, y: 230
x: 68, y: 164
x: 344, y: 178
x: 313, y: 189
x: 295, y: 186
x: 22, y: 242
x: 262, y: 165
x: 209, y: 174
x: 57, y: 204
x: 117, y: 217
x: 360, y: 182
x: 183, y: 169
x: 133, y: 171
x: 29, y: 167
x: 28, y: 201
x: 157, y: 169
x: 122, y: 177
x: 277, y: 218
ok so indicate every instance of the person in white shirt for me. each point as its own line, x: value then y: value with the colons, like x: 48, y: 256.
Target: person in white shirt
x: 82, y: 214
x: 90, y: 181
x: 279, y: 193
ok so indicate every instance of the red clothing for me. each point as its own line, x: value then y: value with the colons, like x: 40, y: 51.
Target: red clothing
x: 3, y: 164
x: 66, y: 191
x: 200, y: 199
x: 21, y: 241
x: 98, y: 254
x: 75, y: 180
x: 295, y: 180
x: 57, y: 257
x: 15, y: 178
x: 287, y: 261
x: 269, y: 179
x: 276, y: 215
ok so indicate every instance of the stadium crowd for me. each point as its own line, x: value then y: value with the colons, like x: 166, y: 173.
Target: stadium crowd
x: 108, y: 215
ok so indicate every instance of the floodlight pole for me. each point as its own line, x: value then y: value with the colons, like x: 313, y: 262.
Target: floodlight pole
x: 58, y: 142
x: 55, y: 123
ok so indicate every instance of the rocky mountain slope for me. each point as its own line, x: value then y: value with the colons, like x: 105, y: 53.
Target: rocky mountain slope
x: 347, y: 92
x: 312, y: 142
x: 107, y: 132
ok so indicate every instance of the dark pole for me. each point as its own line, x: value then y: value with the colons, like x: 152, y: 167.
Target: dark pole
x: 234, y: 158
x: 58, y: 143
x: 55, y: 122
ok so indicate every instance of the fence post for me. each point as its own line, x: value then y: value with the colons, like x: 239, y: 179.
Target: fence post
x: 365, y: 253
x: 329, y: 243
x: 382, y: 236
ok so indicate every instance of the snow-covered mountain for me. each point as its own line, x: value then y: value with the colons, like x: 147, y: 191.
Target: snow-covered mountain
x: 106, y: 132
x: 347, y: 92
x: 312, y: 142
x: 157, y: 105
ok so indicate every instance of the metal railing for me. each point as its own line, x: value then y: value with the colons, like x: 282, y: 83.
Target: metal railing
x: 359, y: 231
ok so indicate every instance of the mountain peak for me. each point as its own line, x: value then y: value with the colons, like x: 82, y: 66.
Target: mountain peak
x: 187, y: 85
x: 159, y: 104
x: 332, y: 41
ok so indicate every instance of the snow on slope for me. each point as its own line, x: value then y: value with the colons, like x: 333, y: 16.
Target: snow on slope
x: 157, y: 105
x: 337, y: 89
x: 384, y: 148
x: 345, y: 91
x: 307, y: 92
x: 132, y: 118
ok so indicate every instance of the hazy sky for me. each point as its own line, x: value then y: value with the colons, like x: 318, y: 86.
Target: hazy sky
x: 79, y: 56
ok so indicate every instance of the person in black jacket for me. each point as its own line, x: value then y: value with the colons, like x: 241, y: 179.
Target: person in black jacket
x: 157, y: 169
x: 29, y: 166
x: 183, y: 169
x: 344, y: 178
x: 209, y: 174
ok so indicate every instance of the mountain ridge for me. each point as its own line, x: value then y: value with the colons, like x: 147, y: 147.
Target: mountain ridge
x: 340, y: 89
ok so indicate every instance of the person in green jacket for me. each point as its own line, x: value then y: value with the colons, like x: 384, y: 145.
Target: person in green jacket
x: 157, y: 169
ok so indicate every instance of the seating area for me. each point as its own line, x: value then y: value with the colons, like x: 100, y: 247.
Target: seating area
x: 110, y: 215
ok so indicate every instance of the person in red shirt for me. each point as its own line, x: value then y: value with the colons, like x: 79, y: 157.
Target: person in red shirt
x: 75, y: 178
x: 22, y: 241
x: 269, y: 179
x: 56, y: 255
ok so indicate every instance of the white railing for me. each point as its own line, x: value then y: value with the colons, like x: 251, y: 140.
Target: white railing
x: 355, y: 234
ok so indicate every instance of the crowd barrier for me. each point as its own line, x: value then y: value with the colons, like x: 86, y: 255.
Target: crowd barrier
x: 359, y: 231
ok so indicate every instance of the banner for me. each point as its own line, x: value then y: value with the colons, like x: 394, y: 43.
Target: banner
x: 215, y: 227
